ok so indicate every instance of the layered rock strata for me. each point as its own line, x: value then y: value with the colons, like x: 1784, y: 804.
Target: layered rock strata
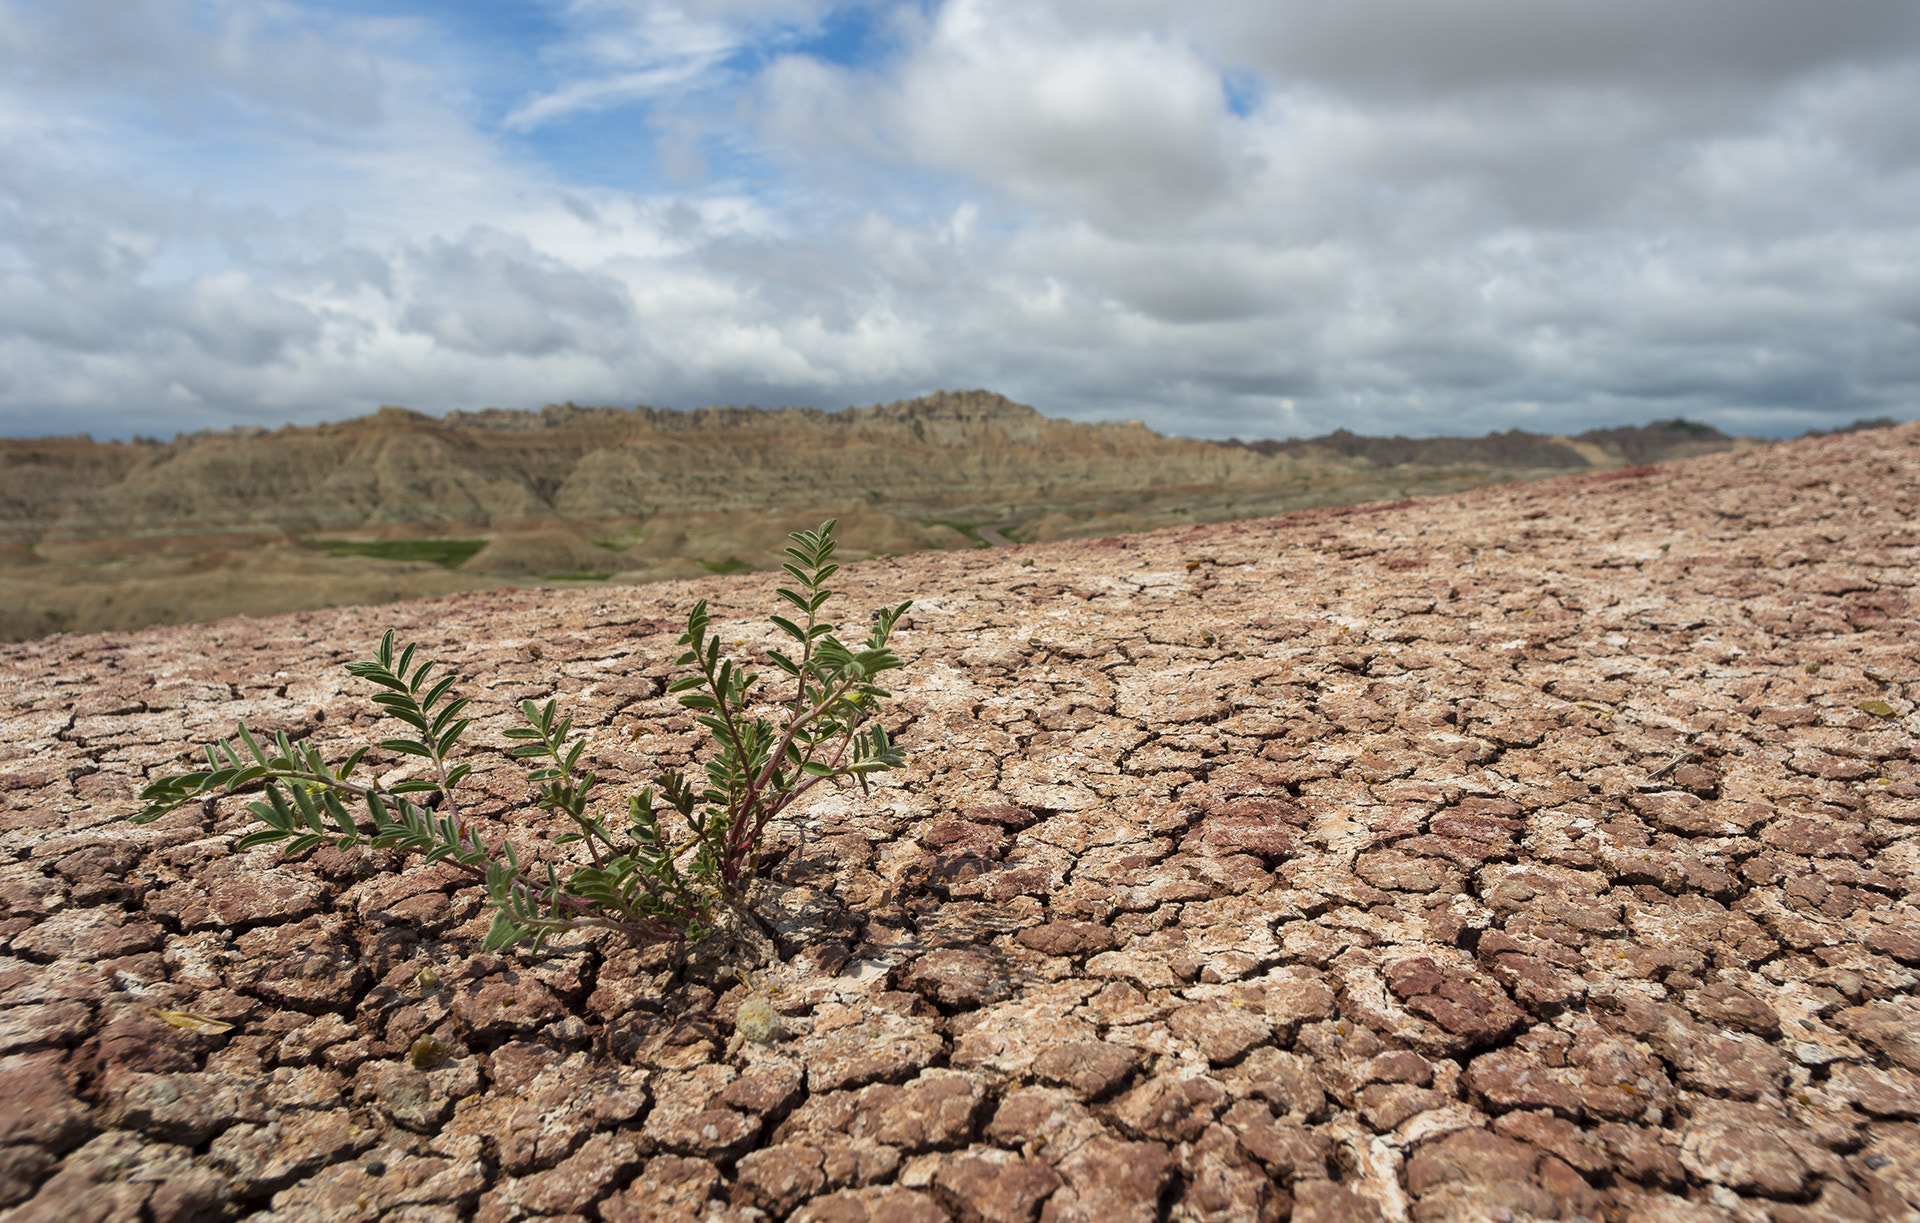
x: 1544, y: 853
x: 492, y: 468
x: 496, y: 467
x: 119, y: 536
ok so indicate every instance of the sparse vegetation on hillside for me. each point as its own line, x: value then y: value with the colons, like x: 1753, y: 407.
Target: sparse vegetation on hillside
x: 451, y: 553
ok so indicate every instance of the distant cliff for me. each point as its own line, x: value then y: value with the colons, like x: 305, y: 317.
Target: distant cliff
x: 483, y: 470
x: 1630, y: 446
x: 488, y: 469
x: 120, y: 535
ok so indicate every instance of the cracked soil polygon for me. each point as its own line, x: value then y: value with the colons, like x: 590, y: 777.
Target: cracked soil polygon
x: 1547, y: 850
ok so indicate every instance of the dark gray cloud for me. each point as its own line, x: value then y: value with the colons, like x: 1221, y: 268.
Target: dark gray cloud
x: 493, y: 294
x: 174, y: 56
x: 1450, y: 47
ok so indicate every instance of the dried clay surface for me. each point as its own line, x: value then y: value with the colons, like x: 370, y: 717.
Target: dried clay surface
x: 1543, y: 853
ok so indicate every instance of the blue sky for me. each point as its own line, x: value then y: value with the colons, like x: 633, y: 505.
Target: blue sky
x: 1261, y: 218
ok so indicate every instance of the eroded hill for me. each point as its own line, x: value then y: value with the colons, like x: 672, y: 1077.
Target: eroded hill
x: 119, y: 535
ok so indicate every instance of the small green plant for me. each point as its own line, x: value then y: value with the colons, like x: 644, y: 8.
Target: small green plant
x: 650, y: 880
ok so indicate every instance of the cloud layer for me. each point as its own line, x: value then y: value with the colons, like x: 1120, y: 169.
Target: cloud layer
x: 1253, y: 219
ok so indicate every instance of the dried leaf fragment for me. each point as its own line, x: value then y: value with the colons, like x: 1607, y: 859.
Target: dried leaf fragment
x: 1879, y: 709
x: 193, y: 1023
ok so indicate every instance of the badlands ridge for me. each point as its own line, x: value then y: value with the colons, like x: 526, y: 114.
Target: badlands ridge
x: 121, y: 535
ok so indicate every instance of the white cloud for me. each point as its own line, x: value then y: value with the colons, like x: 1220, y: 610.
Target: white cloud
x: 1127, y: 127
x: 1407, y: 216
x: 620, y: 53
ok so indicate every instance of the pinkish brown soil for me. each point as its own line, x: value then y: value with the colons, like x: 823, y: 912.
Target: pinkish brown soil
x: 1545, y: 853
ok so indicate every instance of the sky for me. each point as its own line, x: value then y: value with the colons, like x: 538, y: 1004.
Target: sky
x: 1251, y: 218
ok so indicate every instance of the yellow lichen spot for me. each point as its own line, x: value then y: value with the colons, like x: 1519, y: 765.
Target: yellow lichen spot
x: 427, y: 978
x: 426, y: 1053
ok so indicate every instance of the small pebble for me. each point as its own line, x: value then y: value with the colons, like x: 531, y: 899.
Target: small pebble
x: 426, y: 1053
x: 757, y: 1021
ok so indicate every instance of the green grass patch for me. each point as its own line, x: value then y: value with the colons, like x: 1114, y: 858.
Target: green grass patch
x: 449, y: 552
x: 969, y: 529
x: 732, y: 564
x: 623, y: 541
x: 578, y: 575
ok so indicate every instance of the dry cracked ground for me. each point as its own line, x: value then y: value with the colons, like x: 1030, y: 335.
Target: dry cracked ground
x: 1542, y: 854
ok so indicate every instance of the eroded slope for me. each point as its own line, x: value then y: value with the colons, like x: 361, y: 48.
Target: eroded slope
x: 112, y: 536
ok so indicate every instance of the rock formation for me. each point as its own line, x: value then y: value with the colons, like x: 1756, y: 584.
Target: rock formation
x: 118, y: 535
x: 483, y: 470
x: 1545, y: 852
